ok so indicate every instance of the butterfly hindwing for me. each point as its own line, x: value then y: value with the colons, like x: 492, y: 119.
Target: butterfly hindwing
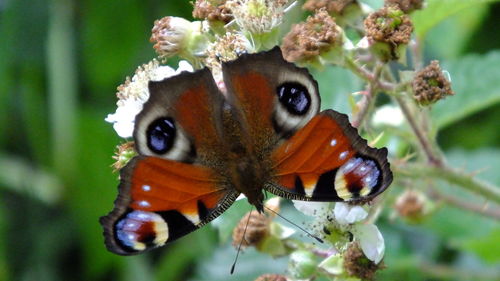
x: 327, y: 160
x: 160, y: 201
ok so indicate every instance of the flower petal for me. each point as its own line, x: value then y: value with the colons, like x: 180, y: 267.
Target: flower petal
x: 371, y: 241
x: 346, y: 214
x: 310, y: 208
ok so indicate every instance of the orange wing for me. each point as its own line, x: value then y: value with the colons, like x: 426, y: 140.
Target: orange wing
x: 328, y: 161
x: 161, y: 200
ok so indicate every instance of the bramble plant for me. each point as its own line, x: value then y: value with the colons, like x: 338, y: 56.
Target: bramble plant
x: 395, y: 109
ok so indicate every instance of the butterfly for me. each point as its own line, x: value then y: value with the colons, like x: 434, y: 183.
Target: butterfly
x: 199, y: 148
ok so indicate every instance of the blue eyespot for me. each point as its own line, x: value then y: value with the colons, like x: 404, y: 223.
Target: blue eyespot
x: 160, y: 135
x: 294, y: 97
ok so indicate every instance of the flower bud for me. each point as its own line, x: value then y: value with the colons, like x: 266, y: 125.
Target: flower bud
x: 257, y: 16
x: 318, y: 36
x: 303, y: 264
x: 123, y: 154
x: 257, y: 228
x: 388, y: 31
x: 177, y: 36
x: 412, y: 206
x: 335, y: 7
x: 406, y: 6
x: 271, y: 277
x: 226, y: 48
x: 356, y: 264
x: 430, y: 85
x: 212, y: 10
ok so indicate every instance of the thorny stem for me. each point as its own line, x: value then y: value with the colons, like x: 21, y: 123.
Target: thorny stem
x: 423, y: 140
x: 453, y: 176
x: 367, y: 100
x: 368, y: 76
x: 437, y: 167
x: 484, y: 209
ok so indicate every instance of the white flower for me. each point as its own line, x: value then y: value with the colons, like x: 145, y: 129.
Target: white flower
x: 348, y: 218
x: 369, y: 237
x: 178, y: 36
x: 371, y: 241
x: 311, y: 208
x: 388, y: 115
x: 134, y: 93
x: 347, y: 214
x: 257, y: 16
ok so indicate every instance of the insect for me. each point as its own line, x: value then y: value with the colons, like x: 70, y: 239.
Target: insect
x: 200, y: 148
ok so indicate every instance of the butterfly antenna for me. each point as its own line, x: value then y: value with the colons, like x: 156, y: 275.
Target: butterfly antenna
x: 296, y: 225
x: 241, y: 242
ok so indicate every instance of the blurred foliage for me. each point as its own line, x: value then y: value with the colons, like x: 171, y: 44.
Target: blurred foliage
x: 60, y: 63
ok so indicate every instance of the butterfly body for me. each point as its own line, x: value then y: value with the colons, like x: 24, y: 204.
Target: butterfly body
x: 199, y: 148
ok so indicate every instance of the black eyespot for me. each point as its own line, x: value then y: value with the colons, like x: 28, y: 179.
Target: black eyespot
x: 160, y: 135
x: 294, y: 97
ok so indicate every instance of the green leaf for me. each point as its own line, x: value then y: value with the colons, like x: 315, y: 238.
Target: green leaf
x: 486, y: 247
x: 336, y: 86
x: 437, y: 11
x: 476, y: 86
x: 446, y: 41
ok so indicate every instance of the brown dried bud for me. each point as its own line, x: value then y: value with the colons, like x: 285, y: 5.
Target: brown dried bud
x: 430, y: 85
x: 256, y: 230
x: 332, y: 6
x: 271, y: 277
x: 212, y: 10
x: 358, y: 265
x: 123, y: 154
x: 406, y: 6
x: 389, y: 25
x: 410, y: 204
x: 307, y: 40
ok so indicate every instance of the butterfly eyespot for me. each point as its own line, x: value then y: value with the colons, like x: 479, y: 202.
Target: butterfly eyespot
x: 160, y: 135
x: 294, y: 97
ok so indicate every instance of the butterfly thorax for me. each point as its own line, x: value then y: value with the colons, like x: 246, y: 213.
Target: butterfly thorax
x: 247, y: 172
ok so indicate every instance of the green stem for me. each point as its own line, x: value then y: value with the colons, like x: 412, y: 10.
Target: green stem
x: 452, y: 176
x: 62, y: 85
x: 422, y: 138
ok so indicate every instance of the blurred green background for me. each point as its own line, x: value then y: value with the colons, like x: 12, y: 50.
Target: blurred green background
x: 60, y: 64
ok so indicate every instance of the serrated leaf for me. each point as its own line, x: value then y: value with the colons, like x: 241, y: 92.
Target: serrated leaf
x: 437, y: 11
x: 476, y: 86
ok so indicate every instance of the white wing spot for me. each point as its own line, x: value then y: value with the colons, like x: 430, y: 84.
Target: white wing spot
x: 146, y: 187
x: 333, y: 142
x: 144, y: 203
x: 343, y: 155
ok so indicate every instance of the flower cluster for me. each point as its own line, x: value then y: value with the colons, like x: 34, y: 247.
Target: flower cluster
x: 388, y: 30
x: 334, y: 7
x: 307, y: 41
x: 431, y: 85
x: 134, y: 93
x: 406, y: 6
x: 212, y: 10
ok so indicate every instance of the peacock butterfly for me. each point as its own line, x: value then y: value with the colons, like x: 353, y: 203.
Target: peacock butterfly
x: 200, y: 148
